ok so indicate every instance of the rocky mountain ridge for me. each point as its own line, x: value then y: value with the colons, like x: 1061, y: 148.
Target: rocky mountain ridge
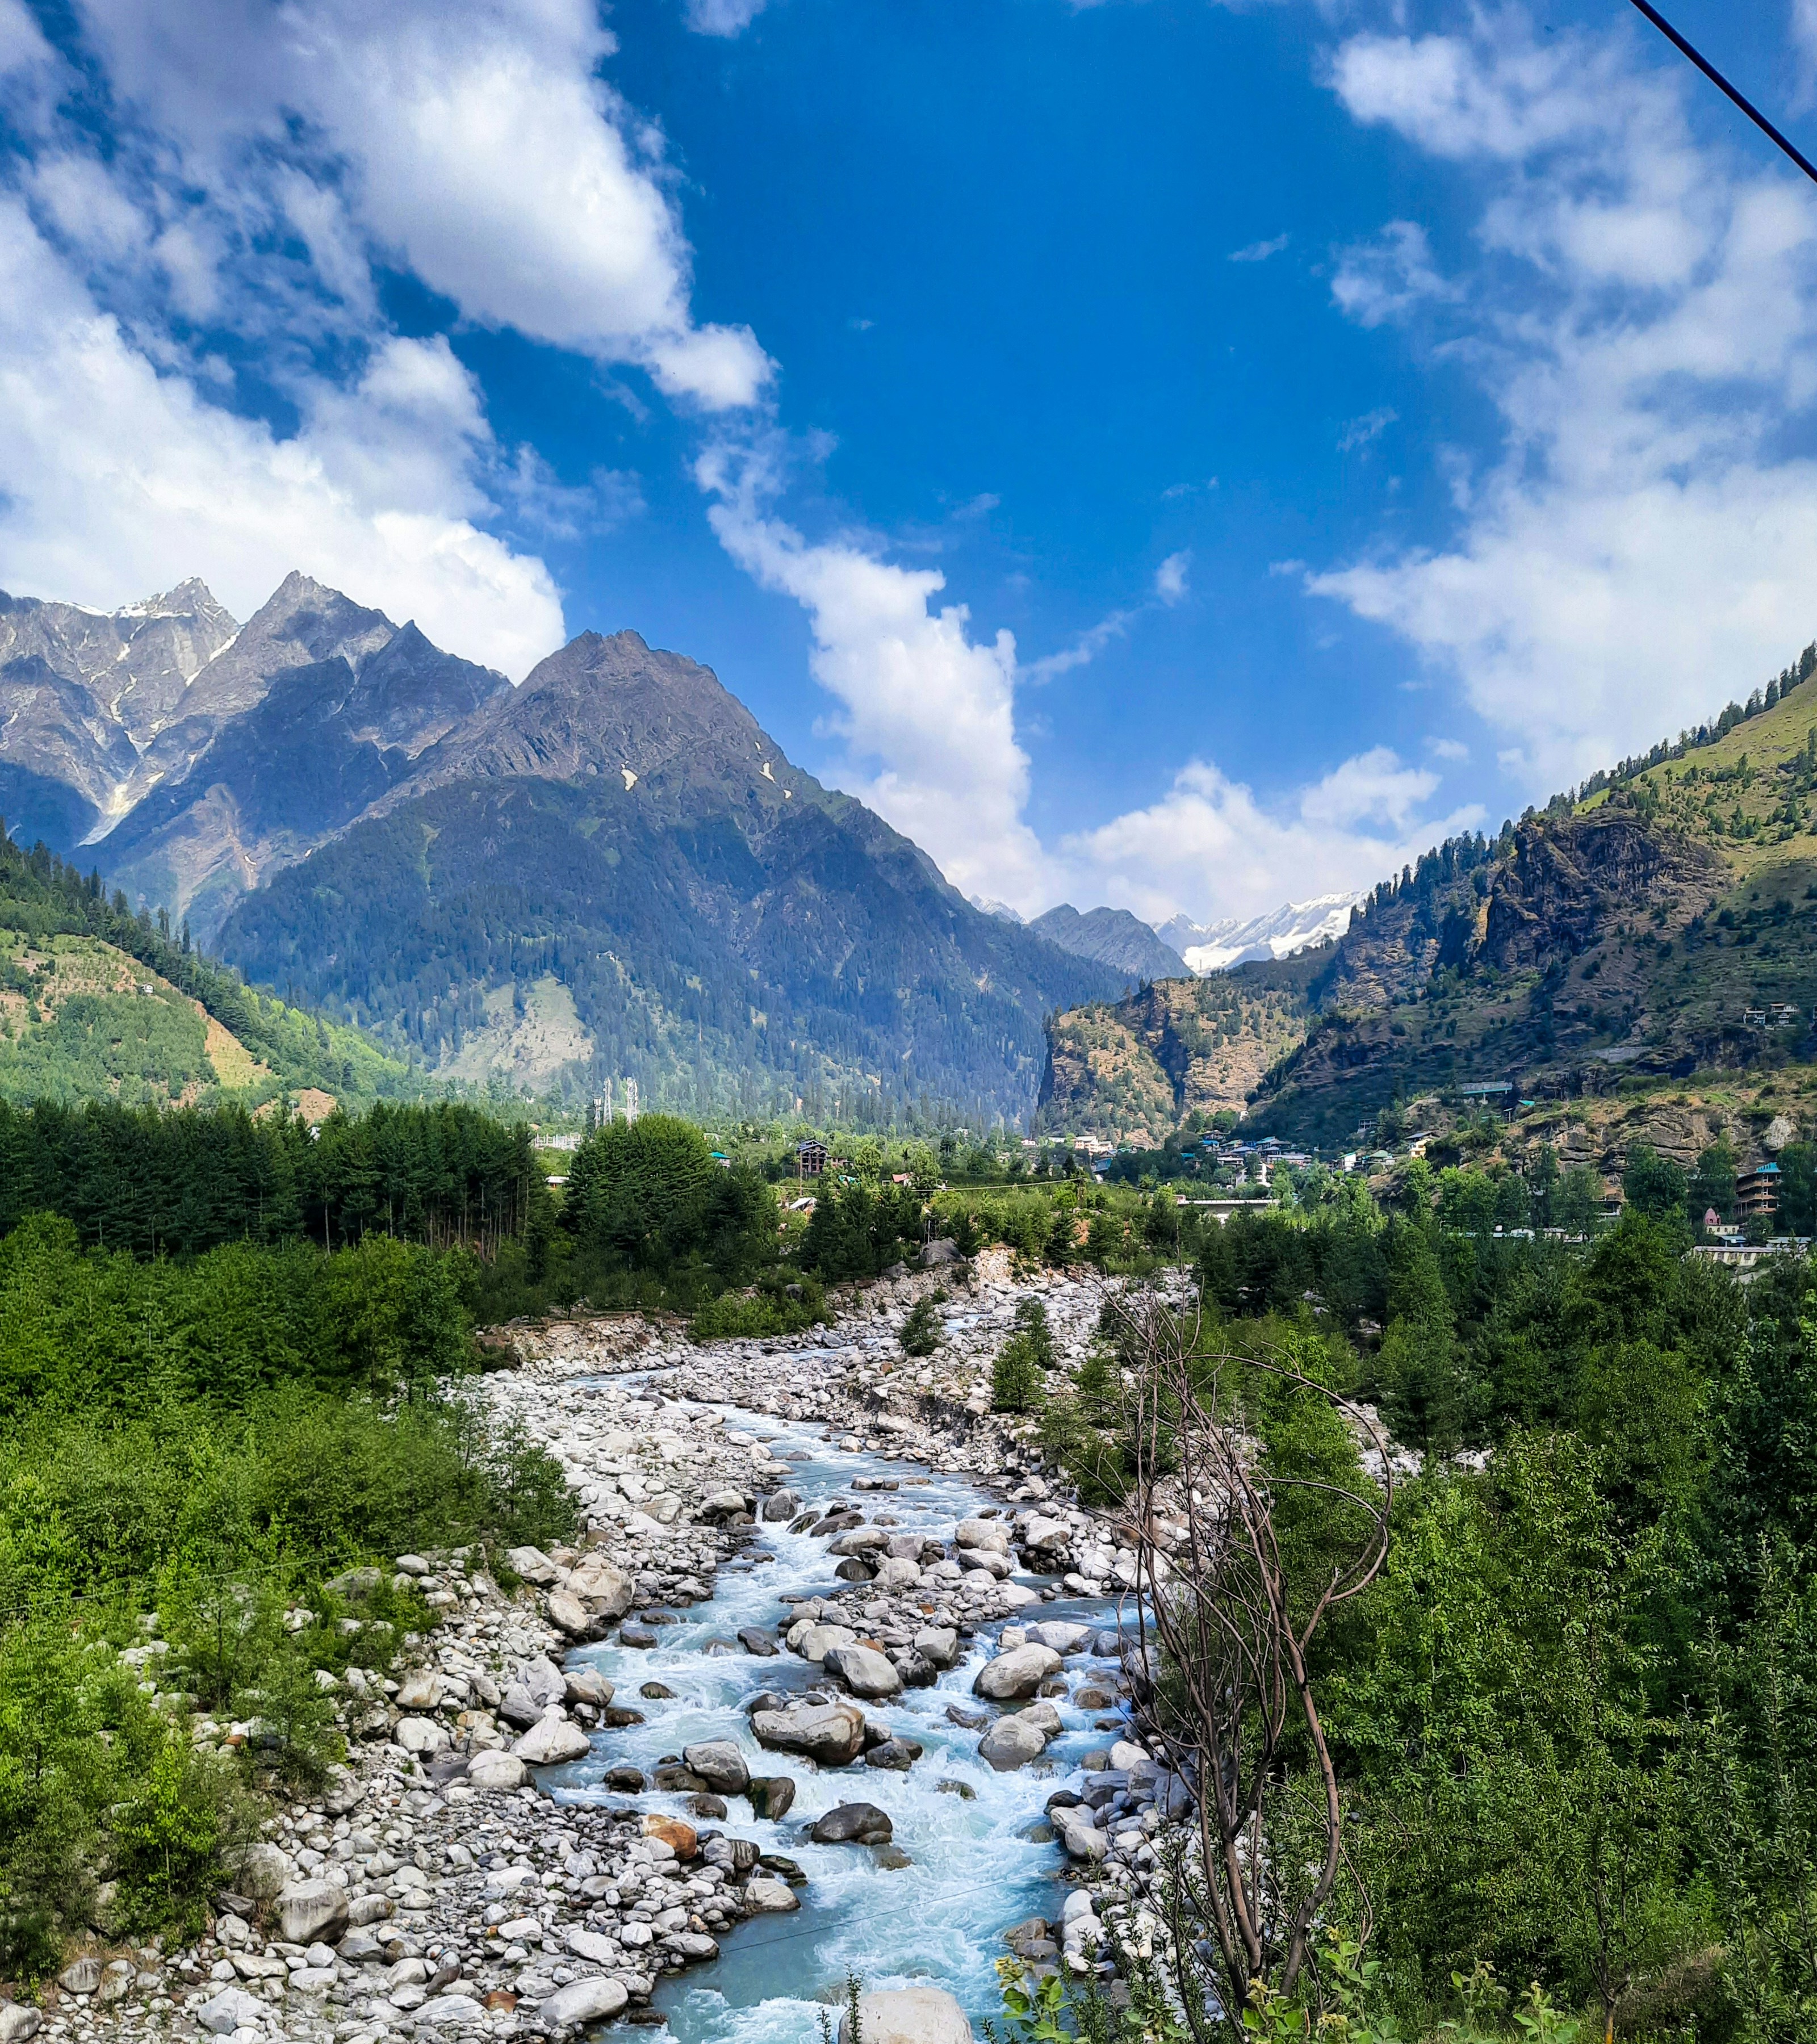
x: 610, y: 871
x: 1658, y: 927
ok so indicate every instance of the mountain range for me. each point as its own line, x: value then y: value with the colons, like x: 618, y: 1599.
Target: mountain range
x: 1280, y: 933
x: 1653, y: 931
x: 1180, y: 946
x: 608, y: 871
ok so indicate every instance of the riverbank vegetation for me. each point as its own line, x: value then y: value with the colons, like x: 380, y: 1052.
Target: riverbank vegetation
x: 1569, y: 1721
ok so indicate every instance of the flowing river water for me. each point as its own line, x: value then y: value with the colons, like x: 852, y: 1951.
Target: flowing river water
x: 974, y: 1866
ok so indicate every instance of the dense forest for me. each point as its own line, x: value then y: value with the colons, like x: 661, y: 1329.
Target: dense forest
x: 189, y: 1180
x: 42, y: 897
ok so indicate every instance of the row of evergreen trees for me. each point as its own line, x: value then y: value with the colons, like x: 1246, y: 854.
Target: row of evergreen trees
x: 186, y: 1182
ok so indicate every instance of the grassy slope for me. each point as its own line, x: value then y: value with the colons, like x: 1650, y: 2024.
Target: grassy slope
x: 1659, y: 1001
x: 95, y: 1004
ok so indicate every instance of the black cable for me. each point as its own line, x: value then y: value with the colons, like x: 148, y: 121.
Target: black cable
x: 1722, y: 85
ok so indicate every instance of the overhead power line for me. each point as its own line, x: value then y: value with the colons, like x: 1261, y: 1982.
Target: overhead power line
x: 1722, y: 85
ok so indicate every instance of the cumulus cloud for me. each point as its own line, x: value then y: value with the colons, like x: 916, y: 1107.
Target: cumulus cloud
x: 471, y: 141
x: 926, y: 711
x: 927, y: 718
x: 1210, y: 846
x: 1641, y: 309
x: 117, y: 480
x: 1170, y: 577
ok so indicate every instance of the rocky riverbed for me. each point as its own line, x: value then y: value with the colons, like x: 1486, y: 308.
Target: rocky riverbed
x: 819, y: 1605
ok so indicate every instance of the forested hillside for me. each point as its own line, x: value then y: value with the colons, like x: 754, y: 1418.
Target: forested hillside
x: 97, y: 1003
x: 1658, y: 925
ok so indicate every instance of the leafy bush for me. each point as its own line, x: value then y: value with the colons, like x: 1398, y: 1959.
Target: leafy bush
x: 922, y: 1333
x: 1016, y: 1378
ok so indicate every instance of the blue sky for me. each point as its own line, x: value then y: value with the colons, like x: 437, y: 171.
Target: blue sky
x: 1162, y: 452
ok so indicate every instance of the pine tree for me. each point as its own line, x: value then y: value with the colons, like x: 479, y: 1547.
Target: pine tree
x: 1016, y: 1383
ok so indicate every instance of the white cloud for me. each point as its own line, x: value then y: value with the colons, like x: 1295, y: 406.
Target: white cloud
x: 926, y: 711
x: 1642, y: 311
x: 928, y: 718
x: 1371, y: 427
x: 1209, y: 847
x: 1170, y: 578
x: 1383, y: 279
x: 115, y: 480
x: 22, y: 43
x: 1259, y: 252
x: 1448, y: 748
x: 472, y: 140
x: 723, y: 17
x: 1804, y: 36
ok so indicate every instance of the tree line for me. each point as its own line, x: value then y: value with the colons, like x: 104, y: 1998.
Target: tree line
x: 187, y: 1180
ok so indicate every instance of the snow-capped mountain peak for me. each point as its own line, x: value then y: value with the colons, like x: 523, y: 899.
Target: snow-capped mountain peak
x: 1209, y: 948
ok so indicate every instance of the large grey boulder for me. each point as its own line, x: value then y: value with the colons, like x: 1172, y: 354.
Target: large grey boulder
x: 233, y: 2008
x: 601, y: 1585
x: 312, y: 1910
x: 813, y: 1642
x: 550, y: 1741
x: 863, y: 1670
x: 80, y: 1976
x: 582, y: 2001
x: 1065, y: 1635
x: 495, y: 1771
x: 772, y: 1796
x: 444, y: 2011
x: 909, y: 2016
x: 719, y: 1764
x: 989, y: 1534
x: 769, y: 1898
x: 345, y: 1791
x: 853, y: 1823
x: 258, y: 1870
x: 832, y: 1734
x: 781, y: 1504
x: 939, y: 1644
x: 1018, y: 1674
x: 1080, y: 1837
x: 419, y: 1735
x: 18, y: 2020
x: 543, y: 1680
x: 586, y: 1684
x: 593, y: 1945
x: 567, y: 1614
x: 519, y: 1708
x: 533, y: 1565
x: 1013, y: 1741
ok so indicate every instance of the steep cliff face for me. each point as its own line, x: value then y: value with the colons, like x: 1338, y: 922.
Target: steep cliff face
x: 1133, y: 1069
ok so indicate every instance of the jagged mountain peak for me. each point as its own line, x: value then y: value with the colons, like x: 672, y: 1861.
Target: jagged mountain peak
x: 1278, y: 933
x: 1113, y: 937
x: 190, y: 598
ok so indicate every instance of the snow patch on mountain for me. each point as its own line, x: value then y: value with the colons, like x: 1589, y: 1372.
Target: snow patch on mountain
x: 1209, y: 948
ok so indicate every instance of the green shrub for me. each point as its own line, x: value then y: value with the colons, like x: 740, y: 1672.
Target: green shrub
x: 922, y: 1333
x: 1016, y: 1381
x: 768, y: 1309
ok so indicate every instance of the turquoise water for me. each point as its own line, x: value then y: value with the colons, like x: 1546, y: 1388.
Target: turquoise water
x: 974, y: 1870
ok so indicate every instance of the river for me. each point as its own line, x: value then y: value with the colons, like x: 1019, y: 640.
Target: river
x: 973, y: 1869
